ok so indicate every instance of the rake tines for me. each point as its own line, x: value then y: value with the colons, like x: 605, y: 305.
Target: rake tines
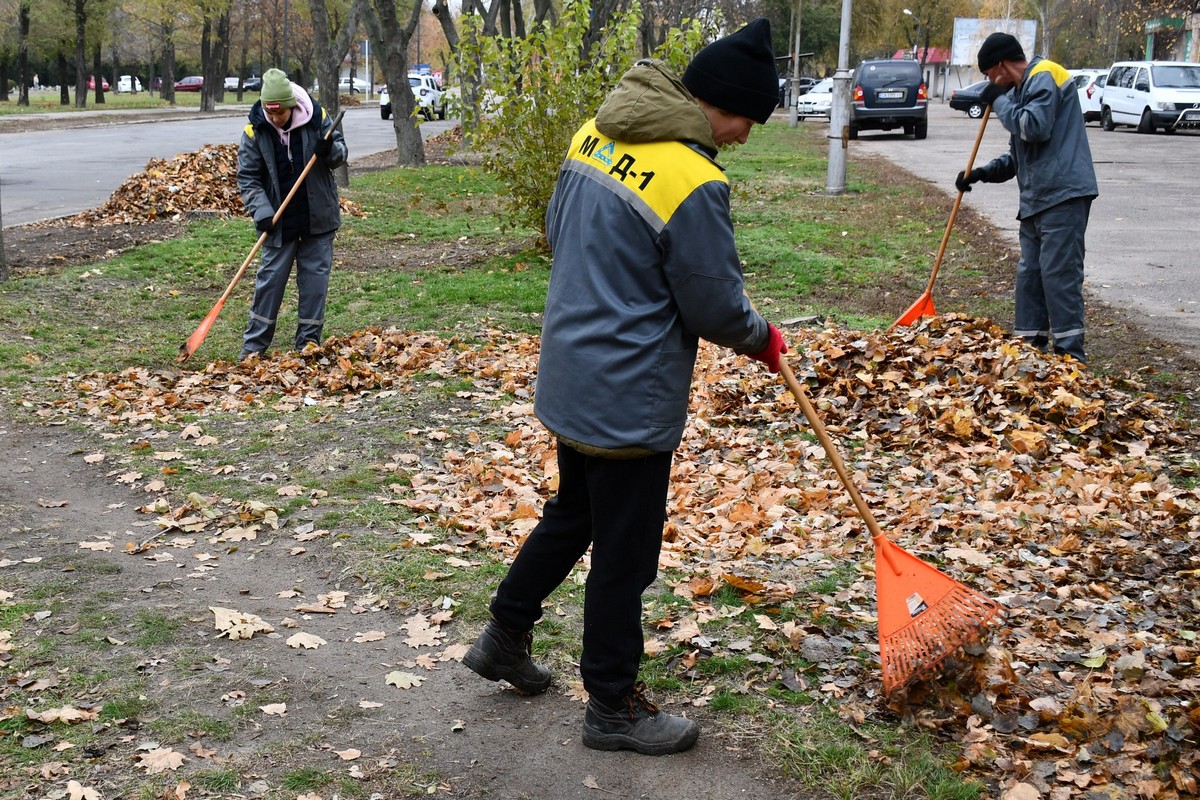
x: 918, y: 648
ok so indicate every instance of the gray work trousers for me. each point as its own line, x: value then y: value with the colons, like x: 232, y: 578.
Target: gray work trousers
x: 1049, y: 291
x: 313, y: 257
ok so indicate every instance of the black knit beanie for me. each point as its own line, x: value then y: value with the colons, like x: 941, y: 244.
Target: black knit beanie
x: 999, y: 47
x: 737, y: 73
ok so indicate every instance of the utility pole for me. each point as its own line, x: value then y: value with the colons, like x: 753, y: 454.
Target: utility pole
x: 839, y: 113
x: 794, y: 97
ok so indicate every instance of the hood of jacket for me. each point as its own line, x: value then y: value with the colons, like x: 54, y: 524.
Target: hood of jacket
x: 651, y: 104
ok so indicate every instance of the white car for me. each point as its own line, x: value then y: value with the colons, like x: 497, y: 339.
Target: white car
x: 817, y: 101
x: 129, y: 84
x: 1088, y: 83
x: 428, y: 94
x: 1151, y: 95
x: 359, y: 86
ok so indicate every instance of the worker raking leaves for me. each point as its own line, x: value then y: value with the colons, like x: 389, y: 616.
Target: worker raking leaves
x: 645, y: 266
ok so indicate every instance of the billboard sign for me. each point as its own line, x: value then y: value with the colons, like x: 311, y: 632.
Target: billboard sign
x: 970, y: 33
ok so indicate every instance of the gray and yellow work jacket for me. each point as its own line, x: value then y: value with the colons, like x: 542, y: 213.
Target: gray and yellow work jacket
x: 1048, y: 147
x: 644, y: 266
x: 269, y: 167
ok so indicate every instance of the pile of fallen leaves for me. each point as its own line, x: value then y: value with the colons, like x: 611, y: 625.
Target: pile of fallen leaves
x: 1062, y: 494
x: 202, y: 182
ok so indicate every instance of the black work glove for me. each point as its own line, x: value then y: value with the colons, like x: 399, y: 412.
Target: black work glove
x: 992, y: 91
x: 323, y: 146
x: 963, y: 181
x: 264, y: 225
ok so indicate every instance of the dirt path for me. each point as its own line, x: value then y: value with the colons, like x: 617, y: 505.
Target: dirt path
x: 453, y: 735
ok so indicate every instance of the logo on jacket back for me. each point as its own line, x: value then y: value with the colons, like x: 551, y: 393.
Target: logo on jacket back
x: 654, y: 177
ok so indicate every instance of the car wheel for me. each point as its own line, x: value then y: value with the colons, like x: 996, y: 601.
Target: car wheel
x: 921, y: 131
x: 442, y: 113
x: 975, y: 111
x: 1106, y: 120
x: 852, y: 131
x: 427, y: 113
x: 1146, y: 123
x: 385, y: 113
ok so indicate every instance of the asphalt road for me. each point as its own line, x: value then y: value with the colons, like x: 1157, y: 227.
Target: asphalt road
x: 1141, y: 239
x: 53, y: 173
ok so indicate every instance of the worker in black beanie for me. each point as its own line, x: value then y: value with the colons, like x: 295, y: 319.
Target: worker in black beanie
x: 645, y: 265
x: 737, y: 73
x: 1049, y: 155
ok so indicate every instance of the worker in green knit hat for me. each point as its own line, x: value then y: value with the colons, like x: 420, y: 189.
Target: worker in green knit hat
x: 286, y: 128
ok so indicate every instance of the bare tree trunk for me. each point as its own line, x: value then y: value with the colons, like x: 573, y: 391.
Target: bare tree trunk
x: 327, y: 72
x: 441, y: 10
x: 23, y: 57
x: 97, y: 75
x: 391, y: 41
x: 3, y: 257
x: 64, y: 78
x: 80, y: 35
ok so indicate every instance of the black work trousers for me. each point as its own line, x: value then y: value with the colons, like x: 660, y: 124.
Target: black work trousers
x: 618, y: 506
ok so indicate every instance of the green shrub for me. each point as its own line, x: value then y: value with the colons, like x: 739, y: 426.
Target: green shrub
x: 534, y: 93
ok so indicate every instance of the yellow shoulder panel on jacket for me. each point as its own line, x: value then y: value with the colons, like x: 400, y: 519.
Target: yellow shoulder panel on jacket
x: 656, y: 176
x: 1060, y: 75
x: 249, y: 130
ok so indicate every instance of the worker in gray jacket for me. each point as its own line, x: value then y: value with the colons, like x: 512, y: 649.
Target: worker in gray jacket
x: 644, y: 266
x: 286, y: 127
x: 1037, y: 104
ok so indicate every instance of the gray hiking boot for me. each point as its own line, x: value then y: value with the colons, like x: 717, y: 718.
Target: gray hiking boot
x: 638, y: 725
x: 500, y: 654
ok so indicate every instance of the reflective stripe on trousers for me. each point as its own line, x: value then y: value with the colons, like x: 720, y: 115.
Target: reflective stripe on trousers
x: 313, y: 257
x: 1049, y: 287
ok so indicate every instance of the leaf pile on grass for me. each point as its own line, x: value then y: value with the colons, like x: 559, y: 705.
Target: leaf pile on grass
x: 1042, y: 485
x: 204, y: 181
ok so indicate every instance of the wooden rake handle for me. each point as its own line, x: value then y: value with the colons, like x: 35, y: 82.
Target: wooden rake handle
x: 831, y: 450
x: 937, y: 263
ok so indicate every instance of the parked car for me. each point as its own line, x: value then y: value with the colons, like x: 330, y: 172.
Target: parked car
x: 231, y: 83
x: 129, y: 84
x: 817, y: 101
x: 252, y: 84
x: 803, y: 85
x: 92, y: 83
x: 888, y: 94
x: 428, y: 94
x: 344, y: 86
x: 969, y: 99
x: 1088, y: 83
x: 1151, y: 95
x: 192, y: 83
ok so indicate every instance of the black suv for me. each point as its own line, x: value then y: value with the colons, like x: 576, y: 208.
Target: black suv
x: 889, y: 93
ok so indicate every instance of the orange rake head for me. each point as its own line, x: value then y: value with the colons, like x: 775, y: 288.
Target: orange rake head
x: 923, y: 307
x: 924, y: 615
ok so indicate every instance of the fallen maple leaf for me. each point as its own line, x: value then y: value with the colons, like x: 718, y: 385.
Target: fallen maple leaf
x: 369, y: 636
x: 160, y: 760
x: 348, y: 755
x: 403, y: 680
x: 238, y: 624
x: 305, y: 640
x: 77, y: 791
x: 274, y: 709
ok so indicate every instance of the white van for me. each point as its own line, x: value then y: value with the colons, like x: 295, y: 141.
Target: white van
x: 129, y: 84
x: 1151, y: 95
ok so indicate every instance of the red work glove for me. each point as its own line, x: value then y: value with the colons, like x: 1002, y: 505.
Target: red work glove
x: 769, y: 355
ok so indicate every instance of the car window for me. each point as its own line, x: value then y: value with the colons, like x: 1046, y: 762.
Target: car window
x: 1177, y: 77
x: 414, y: 82
x: 889, y: 73
x: 1124, y: 79
x: 1101, y: 80
x: 1142, y: 82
